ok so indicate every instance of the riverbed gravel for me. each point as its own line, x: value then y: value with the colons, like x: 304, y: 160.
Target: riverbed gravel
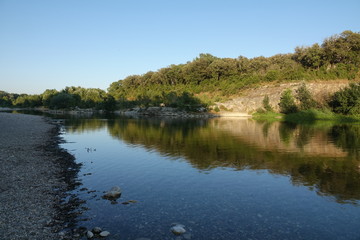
x: 32, y: 181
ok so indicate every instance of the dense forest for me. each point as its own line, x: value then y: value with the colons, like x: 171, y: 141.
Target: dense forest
x: 208, y: 78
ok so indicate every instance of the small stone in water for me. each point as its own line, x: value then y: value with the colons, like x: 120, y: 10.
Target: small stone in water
x: 96, y: 230
x: 89, y: 234
x: 113, y: 194
x: 178, y: 229
x: 104, y: 234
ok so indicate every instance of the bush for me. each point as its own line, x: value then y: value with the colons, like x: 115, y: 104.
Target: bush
x: 347, y: 100
x: 287, y: 102
x: 305, y: 98
x: 266, y: 104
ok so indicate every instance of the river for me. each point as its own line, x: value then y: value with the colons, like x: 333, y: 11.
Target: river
x: 223, y: 178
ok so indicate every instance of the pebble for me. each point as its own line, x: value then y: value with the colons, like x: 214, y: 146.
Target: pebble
x: 114, y: 193
x: 104, y: 234
x: 89, y: 234
x: 178, y: 229
x: 97, y: 230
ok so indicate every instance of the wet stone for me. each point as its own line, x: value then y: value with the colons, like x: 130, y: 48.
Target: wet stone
x: 178, y: 229
x: 97, y: 230
x: 89, y: 234
x: 104, y: 234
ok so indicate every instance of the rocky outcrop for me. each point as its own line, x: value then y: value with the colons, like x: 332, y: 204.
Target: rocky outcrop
x: 252, y: 99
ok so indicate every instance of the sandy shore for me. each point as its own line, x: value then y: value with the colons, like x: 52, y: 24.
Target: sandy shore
x: 33, y: 178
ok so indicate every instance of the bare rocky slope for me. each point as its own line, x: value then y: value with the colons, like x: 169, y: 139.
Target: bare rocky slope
x: 252, y: 99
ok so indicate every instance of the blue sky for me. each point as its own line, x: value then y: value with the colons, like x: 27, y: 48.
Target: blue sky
x: 47, y: 44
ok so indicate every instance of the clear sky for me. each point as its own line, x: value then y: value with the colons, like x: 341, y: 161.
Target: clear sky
x: 47, y: 44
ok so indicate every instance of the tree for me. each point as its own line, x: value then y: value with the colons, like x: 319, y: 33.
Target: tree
x: 343, y: 48
x: 309, y: 57
x: 287, y: 102
x: 305, y: 98
x: 62, y: 101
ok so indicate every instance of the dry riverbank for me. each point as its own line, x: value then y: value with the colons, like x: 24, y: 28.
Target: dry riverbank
x: 34, y: 178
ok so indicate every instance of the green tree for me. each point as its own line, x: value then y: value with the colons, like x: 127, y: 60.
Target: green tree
x: 287, y: 102
x: 62, y: 101
x: 305, y: 98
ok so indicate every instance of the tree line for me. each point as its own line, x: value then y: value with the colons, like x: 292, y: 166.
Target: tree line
x: 68, y: 98
x: 207, y: 78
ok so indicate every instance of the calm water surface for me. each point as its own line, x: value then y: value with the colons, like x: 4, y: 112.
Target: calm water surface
x: 220, y: 178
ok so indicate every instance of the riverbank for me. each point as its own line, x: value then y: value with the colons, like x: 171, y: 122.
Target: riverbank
x: 306, y: 116
x: 34, y: 178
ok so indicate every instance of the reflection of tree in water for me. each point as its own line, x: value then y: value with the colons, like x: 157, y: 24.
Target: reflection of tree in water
x: 347, y: 136
x: 286, y: 131
x: 83, y: 125
x: 223, y: 143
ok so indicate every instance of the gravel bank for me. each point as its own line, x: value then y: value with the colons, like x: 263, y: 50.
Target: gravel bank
x: 33, y: 178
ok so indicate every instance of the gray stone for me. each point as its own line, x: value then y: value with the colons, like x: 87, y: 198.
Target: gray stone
x: 89, y: 234
x: 97, y: 230
x: 178, y: 229
x: 104, y: 234
x: 114, y: 193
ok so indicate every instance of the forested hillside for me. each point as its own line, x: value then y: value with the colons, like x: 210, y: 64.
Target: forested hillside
x: 211, y: 78
x: 207, y: 78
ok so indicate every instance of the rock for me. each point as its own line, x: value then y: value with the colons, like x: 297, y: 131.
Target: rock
x: 113, y: 194
x: 104, y: 234
x: 89, y: 234
x: 97, y: 230
x: 178, y: 229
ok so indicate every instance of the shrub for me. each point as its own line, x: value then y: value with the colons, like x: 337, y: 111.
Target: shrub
x: 347, y: 100
x: 287, y: 102
x: 305, y: 98
x: 266, y: 104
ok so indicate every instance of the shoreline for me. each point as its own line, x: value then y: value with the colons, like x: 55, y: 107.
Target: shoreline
x: 139, y: 112
x: 36, y: 175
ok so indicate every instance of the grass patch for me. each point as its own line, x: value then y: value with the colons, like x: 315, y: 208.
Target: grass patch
x: 307, y: 116
x: 268, y: 116
x: 313, y: 115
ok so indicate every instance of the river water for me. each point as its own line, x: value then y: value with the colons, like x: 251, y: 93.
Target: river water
x: 227, y: 178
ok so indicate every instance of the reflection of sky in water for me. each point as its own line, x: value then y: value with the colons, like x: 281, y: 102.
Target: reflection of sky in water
x: 217, y: 203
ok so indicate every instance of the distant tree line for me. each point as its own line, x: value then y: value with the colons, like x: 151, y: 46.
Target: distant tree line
x: 207, y: 78
x: 68, y: 98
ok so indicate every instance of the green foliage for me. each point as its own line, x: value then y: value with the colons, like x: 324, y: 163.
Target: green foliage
x: 287, y: 102
x: 266, y: 104
x: 347, y: 100
x: 305, y: 98
x: 62, y: 101
x: 268, y: 116
x: 312, y: 115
